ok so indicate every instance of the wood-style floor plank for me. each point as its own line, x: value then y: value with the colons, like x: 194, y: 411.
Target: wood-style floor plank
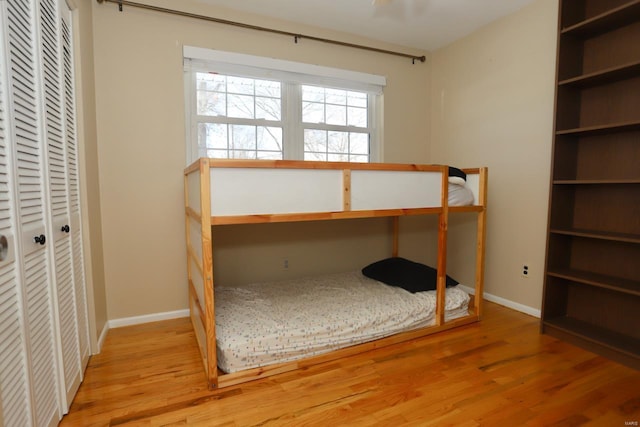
x: 498, y: 372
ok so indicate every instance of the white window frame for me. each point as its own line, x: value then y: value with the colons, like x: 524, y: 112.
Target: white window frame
x: 292, y: 76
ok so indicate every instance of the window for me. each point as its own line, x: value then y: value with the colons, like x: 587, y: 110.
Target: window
x: 273, y: 109
x: 335, y: 123
x: 238, y: 117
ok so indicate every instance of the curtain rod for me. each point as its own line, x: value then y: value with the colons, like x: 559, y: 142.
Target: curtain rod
x: 295, y: 36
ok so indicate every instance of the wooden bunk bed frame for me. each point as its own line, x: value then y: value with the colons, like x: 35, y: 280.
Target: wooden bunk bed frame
x: 216, y: 192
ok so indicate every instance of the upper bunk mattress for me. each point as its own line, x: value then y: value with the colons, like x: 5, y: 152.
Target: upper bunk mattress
x: 273, y: 322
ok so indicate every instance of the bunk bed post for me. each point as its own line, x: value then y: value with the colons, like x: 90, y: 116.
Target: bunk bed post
x: 480, y: 240
x: 207, y: 270
x: 395, y: 222
x: 187, y: 233
x: 442, y: 247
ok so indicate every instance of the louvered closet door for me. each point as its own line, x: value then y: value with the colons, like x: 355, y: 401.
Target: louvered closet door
x: 14, y: 379
x: 71, y: 141
x: 54, y: 125
x: 27, y: 135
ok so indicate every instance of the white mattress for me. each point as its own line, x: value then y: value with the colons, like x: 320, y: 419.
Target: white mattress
x: 265, y: 323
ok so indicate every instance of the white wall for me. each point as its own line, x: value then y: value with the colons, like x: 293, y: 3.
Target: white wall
x: 492, y: 104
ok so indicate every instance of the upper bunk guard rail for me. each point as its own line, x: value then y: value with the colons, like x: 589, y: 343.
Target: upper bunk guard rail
x: 319, y: 191
x: 341, y: 191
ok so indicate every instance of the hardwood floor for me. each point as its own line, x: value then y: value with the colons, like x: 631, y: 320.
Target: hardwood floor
x: 498, y: 372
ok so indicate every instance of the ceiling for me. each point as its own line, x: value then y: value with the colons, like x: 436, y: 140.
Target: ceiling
x: 421, y: 24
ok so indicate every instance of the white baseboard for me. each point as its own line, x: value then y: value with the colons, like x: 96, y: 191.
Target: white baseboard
x: 505, y: 302
x: 147, y: 318
x: 103, y: 336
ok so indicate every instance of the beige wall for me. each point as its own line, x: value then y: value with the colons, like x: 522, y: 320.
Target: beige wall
x: 90, y: 186
x: 484, y: 100
x: 492, y: 104
x: 141, y: 155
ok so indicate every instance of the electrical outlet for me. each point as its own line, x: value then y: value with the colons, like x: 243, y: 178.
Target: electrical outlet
x: 524, y: 271
x: 285, y: 263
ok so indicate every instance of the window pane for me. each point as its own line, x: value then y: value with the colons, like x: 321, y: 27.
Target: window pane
x: 335, y: 96
x: 336, y: 115
x: 269, y: 155
x: 241, y: 107
x: 359, y: 159
x: 357, y: 99
x: 312, y: 112
x: 210, y: 96
x: 357, y: 117
x: 242, y: 154
x: 313, y: 93
x: 217, y: 154
x: 212, y: 135
x: 359, y: 143
x: 268, y: 88
x: 315, y: 141
x: 240, y: 141
x: 338, y: 157
x: 240, y: 85
x: 243, y: 137
x: 338, y: 143
x: 268, y: 108
x: 269, y: 139
x: 211, y: 103
x: 321, y: 157
x: 210, y: 81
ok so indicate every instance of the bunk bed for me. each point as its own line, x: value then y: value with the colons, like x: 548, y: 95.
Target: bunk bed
x: 226, y: 192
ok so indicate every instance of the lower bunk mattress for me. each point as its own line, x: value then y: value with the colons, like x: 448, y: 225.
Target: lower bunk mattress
x: 266, y: 323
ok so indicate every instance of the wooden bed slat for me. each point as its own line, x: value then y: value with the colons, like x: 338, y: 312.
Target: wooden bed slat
x: 198, y: 304
x: 300, y: 164
x: 320, y: 216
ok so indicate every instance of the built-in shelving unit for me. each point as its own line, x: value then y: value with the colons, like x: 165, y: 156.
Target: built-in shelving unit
x: 592, y: 280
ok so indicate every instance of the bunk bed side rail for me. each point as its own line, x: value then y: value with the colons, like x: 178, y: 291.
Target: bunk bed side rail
x: 254, y: 191
x: 193, y: 234
x: 200, y: 262
x: 250, y: 188
x: 374, y: 190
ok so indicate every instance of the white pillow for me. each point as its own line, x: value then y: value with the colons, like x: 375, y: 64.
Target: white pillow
x: 460, y: 195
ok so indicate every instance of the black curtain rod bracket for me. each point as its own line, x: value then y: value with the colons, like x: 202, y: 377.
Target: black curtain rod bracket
x: 295, y: 36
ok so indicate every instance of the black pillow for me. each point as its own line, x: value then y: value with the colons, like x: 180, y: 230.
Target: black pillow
x: 411, y: 276
x: 457, y: 176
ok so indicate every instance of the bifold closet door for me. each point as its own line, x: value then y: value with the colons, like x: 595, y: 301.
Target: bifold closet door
x: 26, y: 136
x: 44, y: 340
x: 73, y: 181
x: 54, y: 83
x: 14, y: 377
